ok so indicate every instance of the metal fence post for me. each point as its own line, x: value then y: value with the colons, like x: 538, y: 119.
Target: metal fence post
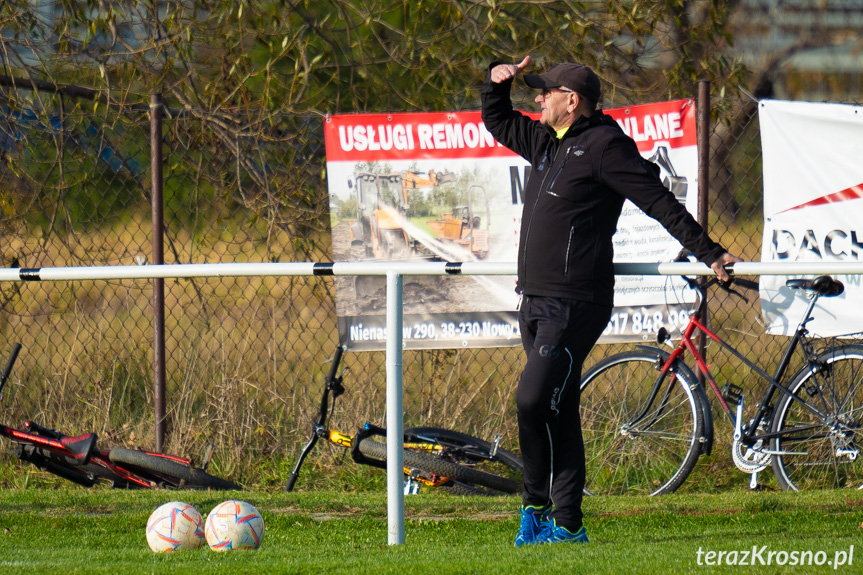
x: 156, y: 183
x: 395, y: 411
x: 702, y: 128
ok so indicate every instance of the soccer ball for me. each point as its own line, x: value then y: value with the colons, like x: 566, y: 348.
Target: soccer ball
x: 234, y: 525
x: 175, y: 525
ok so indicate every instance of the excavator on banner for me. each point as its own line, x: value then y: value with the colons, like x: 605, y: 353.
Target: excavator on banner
x: 383, y: 209
x: 463, y: 226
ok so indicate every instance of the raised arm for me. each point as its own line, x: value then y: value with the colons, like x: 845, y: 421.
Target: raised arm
x: 504, y: 72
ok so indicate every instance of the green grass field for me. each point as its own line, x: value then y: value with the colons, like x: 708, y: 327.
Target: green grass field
x: 328, y: 531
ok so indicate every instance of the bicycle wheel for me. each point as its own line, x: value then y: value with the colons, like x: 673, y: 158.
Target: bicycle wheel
x: 67, y: 468
x: 820, y: 425
x: 467, y: 450
x: 459, y: 488
x: 167, y: 470
x: 433, y: 464
x: 636, y: 445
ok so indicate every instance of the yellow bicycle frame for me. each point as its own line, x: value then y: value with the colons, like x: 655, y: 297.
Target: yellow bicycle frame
x: 344, y: 440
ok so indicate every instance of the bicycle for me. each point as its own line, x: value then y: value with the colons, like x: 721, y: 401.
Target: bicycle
x: 78, y: 459
x: 647, y: 417
x: 448, y: 460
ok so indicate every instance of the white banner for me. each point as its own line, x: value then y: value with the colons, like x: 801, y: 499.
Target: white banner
x: 813, y: 208
x: 437, y: 186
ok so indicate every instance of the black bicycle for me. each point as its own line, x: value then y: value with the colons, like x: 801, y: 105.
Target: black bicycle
x: 78, y: 459
x: 647, y: 418
x: 449, y: 460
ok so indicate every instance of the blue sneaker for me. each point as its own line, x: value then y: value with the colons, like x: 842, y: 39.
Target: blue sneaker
x: 534, y: 520
x: 554, y: 533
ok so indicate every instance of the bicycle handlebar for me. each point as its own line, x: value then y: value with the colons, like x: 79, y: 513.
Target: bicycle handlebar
x: 292, y: 479
x: 726, y: 286
x: 8, y: 369
x: 684, y: 256
x: 333, y: 386
x: 334, y: 366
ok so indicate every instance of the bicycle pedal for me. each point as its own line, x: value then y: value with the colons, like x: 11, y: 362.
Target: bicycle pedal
x: 208, y: 455
x: 753, y: 481
x: 732, y: 393
x: 412, y: 487
x: 494, y: 446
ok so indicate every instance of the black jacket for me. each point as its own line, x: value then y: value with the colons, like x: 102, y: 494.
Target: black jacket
x: 574, y: 196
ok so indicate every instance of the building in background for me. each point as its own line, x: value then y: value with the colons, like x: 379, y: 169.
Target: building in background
x: 809, y: 49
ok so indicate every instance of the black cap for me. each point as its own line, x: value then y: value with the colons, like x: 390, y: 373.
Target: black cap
x: 577, y: 77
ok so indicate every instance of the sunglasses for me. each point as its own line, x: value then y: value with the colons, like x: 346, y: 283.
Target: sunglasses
x: 547, y: 91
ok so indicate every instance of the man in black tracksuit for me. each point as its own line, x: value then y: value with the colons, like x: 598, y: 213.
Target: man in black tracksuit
x: 583, y: 168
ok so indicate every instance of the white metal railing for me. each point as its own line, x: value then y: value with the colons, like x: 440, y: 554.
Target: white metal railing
x: 401, y: 268
x: 395, y: 271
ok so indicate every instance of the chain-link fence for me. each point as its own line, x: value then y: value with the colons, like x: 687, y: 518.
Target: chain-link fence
x: 245, y: 357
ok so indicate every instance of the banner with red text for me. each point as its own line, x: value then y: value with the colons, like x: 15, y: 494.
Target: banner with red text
x: 437, y: 186
x: 813, y: 208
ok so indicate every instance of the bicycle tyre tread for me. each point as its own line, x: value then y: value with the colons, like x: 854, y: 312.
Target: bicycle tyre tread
x: 836, y: 471
x: 66, y: 468
x: 376, y: 450
x: 463, y: 439
x: 608, y: 403
x: 185, y: 475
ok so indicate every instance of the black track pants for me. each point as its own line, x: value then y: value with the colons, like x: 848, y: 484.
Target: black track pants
x: 557, y: 335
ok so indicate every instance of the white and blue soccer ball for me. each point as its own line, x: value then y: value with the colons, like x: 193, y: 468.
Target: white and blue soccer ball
x: 234, y: 525
x: 174, y: 526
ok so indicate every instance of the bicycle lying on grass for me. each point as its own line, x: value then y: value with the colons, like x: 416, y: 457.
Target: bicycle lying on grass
x: 433, y: 457
x: 647, y: 418
x: 80, y: 461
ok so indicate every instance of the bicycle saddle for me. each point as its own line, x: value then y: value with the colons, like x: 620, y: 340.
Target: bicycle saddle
x: 823, y: 285
x: 81, y: 446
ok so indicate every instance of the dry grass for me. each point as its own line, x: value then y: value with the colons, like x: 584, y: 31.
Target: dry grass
x: 246, y: 357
